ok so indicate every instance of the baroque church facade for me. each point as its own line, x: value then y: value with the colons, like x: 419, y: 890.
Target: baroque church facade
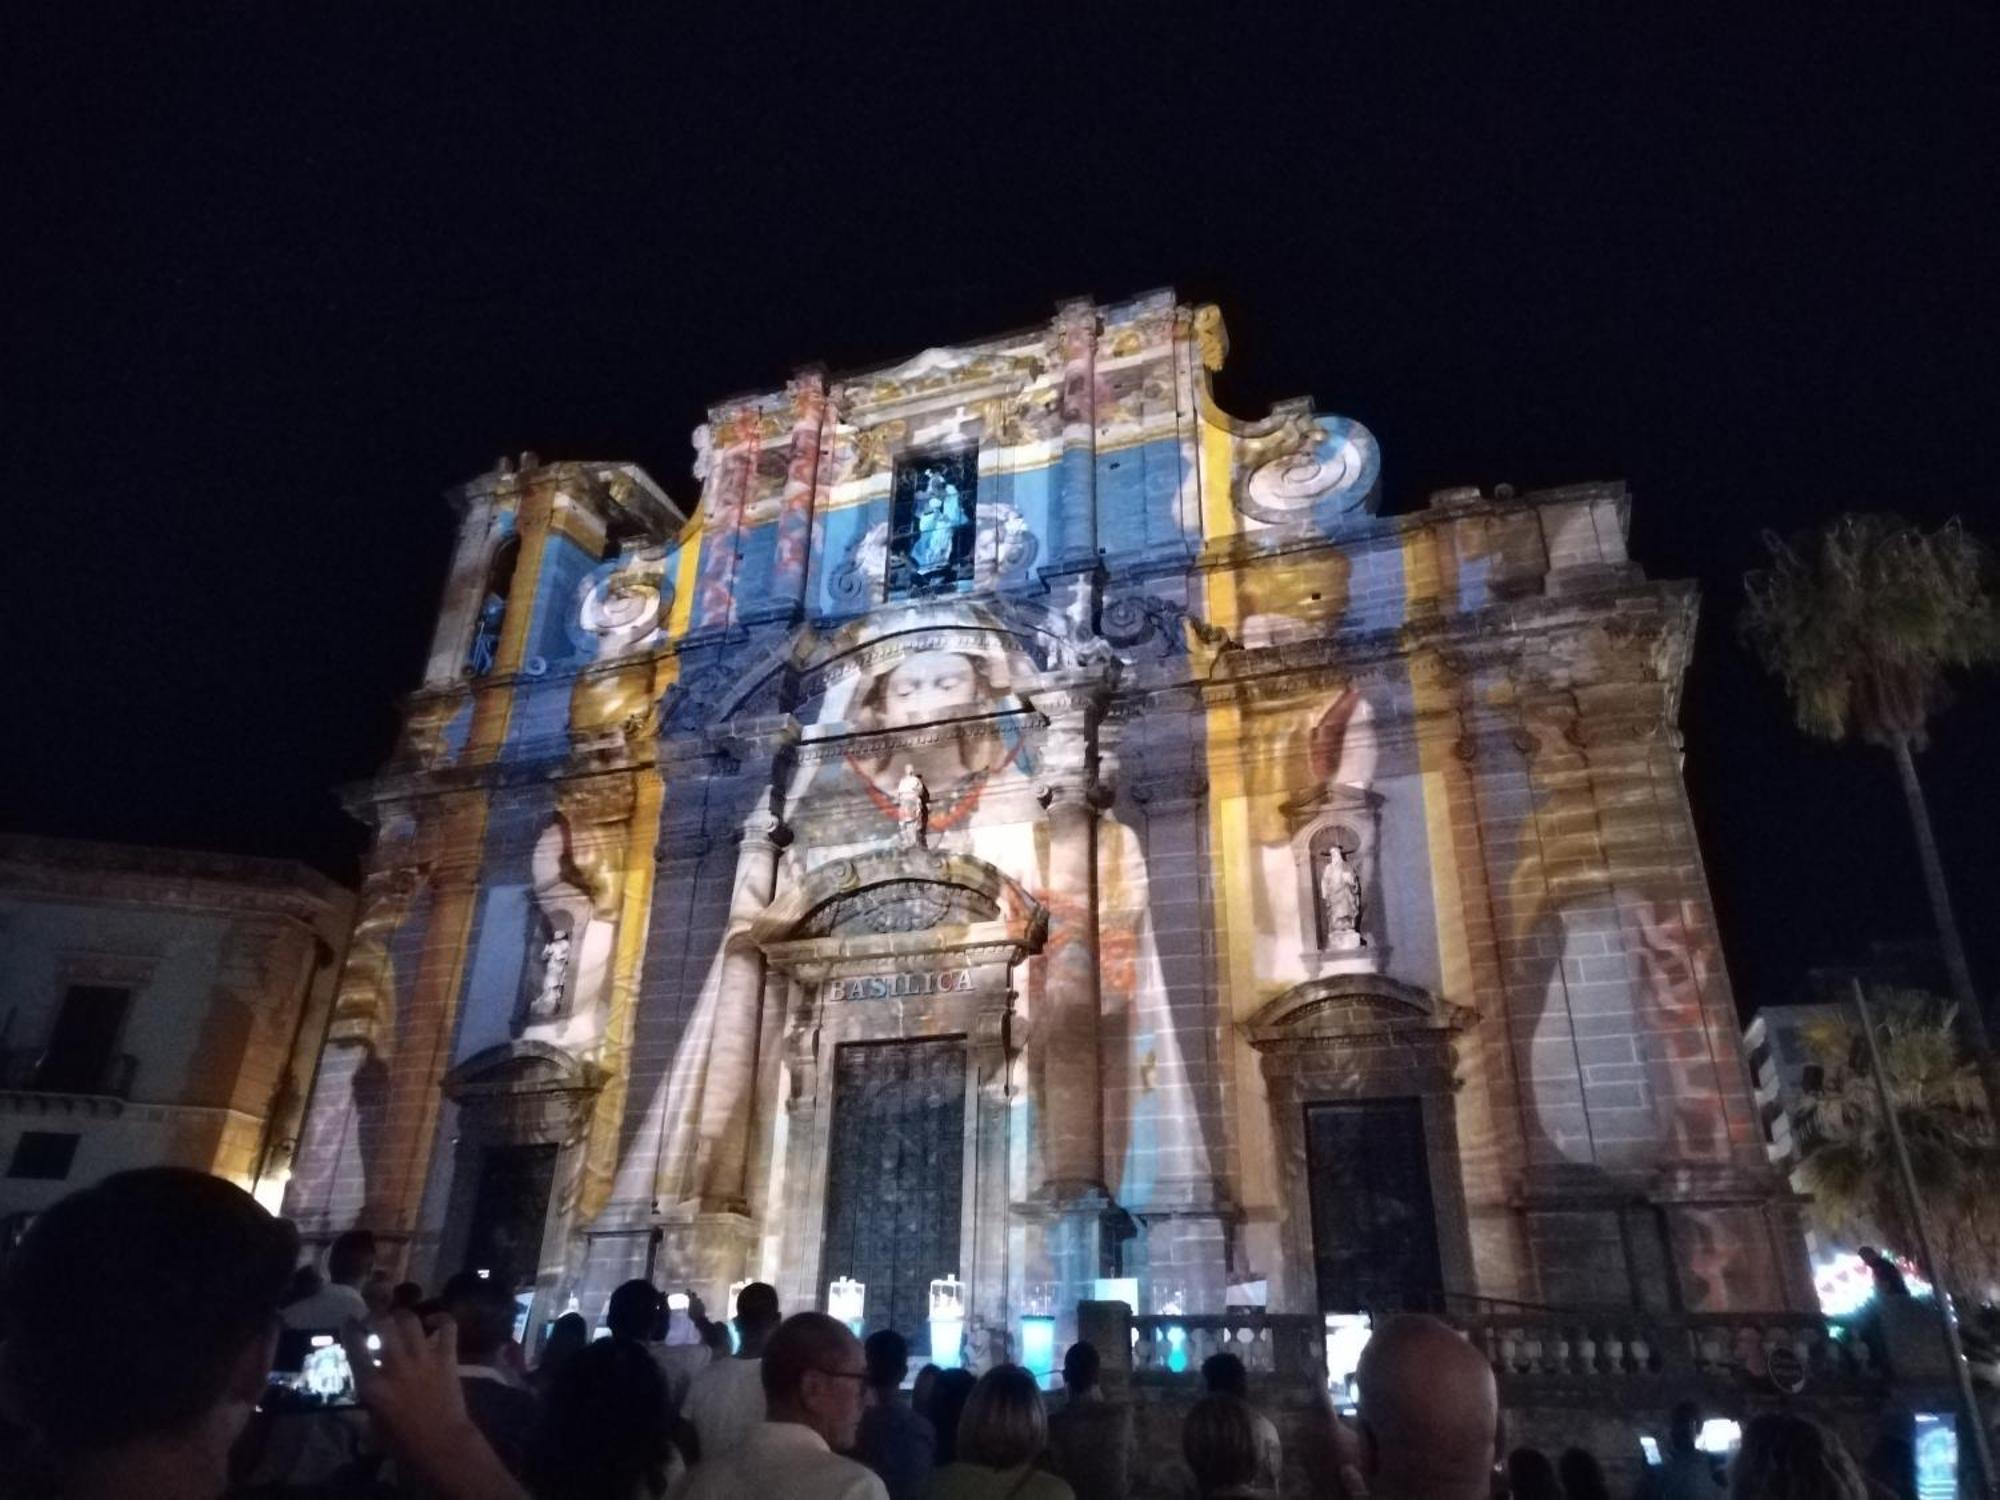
x: 1024, y: 825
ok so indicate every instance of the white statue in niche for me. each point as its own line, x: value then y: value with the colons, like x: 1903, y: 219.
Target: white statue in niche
x: 1340, y: 900
x: 912, y: 804
x: 555, y: 979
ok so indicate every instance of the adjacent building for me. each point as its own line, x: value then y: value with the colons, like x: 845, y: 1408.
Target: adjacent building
x: 157, y: 1008
x: 1020, y: 824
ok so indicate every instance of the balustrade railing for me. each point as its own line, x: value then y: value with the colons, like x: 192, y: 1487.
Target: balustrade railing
x: 1547, y: 1346
x: 1559, y: 1345
x: 1280, y: 1344
x: 33, y: 1071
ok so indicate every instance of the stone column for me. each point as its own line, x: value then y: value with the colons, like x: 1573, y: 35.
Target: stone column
x: 721, y: 1154
x: 421, y: 1051
x: 795, y: 510
x: 1076, y: 482
x: 1186, y: 1216
x: 1074, y: 1206
x: 471, y: 560
x: 723, y: 502
x: 1073, y: 1112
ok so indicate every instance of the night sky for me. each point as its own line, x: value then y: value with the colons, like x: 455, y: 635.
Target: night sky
x: 282, y: 273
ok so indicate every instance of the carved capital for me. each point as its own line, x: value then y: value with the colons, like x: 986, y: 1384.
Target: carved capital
x: 364, y: 1002
x: 762, y: 827
x: 1068, y: 794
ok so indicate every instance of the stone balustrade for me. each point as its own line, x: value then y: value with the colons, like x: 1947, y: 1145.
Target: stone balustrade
x: 1557, y: 1346
x: 1533, y: 1348
x: 1277, y: 1344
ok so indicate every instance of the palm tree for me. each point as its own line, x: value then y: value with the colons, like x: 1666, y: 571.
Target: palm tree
x: 1861, y: 621
x: 1847, y: 1163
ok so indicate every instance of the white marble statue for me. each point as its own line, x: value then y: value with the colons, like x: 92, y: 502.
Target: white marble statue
x: 1340, y: 899
x: 912, y: 803
x: 555, y: 976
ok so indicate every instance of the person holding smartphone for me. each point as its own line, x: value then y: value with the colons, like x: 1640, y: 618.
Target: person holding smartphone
x: 681, y: 1353
x: 1684, y: 1472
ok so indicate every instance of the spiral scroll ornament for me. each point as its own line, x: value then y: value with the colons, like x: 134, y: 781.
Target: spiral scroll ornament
x: 623, y: 602
x: 1341, y: 466
x: 857, y: 582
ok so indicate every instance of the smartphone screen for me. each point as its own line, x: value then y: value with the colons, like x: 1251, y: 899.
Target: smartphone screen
x: 1936, y: 1438
x: 1650, y: 1446
x: 1719, y: 1437
x: 328, y: 1376
x: 677, y: 1301
x: 311, y: 1372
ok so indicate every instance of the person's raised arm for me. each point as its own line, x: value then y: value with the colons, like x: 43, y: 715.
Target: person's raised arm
x: 1333, y: 1453
x: 410, y: 1388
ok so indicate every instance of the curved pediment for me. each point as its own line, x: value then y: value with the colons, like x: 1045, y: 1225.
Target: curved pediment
x: 521, y: 1067
x: 898, y: 901
x: 1345, y: 1006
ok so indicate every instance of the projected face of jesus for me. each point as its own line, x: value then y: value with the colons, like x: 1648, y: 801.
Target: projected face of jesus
x: 928, y: 686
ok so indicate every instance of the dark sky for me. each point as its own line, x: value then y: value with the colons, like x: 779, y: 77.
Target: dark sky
x: 281, y: 273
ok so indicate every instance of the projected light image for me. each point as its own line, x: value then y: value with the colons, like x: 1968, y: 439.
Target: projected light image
x: 1845, y: 1284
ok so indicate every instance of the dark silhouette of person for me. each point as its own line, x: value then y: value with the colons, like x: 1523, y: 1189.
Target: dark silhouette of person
x: 895, y: 1440
x: 142, y: 1319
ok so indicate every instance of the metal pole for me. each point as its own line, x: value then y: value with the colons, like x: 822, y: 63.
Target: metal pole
x: 1947, y: 1314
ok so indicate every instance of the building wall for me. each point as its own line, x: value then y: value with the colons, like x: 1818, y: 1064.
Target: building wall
x: 229, y: 966
x: 643, y: 831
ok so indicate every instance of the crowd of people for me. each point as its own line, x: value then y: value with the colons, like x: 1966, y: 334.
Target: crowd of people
x: 143, y: 1318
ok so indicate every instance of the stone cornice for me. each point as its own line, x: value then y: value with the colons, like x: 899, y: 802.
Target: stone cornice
x: 1648, y: 624
x: 98, y: 873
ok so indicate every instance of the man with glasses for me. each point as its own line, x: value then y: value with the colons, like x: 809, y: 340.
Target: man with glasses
x: 814, y: 1380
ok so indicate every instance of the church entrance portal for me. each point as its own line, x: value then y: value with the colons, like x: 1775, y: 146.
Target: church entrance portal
x: 895, y: 1162
x: 1374, y: 1227
x: 509, y: 1209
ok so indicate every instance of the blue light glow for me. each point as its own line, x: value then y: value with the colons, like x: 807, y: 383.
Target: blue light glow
x: 1038, y: 1346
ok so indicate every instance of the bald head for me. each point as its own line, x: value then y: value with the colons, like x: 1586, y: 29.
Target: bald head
x: 1429, y: 1413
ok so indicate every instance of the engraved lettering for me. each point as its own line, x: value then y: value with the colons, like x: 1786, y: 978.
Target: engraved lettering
x: 904, y: 984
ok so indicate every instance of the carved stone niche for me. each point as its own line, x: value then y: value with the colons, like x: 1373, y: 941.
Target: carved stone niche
x: 568, y: 941
x: 1336, y: 833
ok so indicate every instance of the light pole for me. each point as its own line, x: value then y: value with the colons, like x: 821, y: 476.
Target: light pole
x: 1975, y: 1427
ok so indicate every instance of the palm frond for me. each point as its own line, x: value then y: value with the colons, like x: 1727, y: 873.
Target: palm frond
x: 1849, y: 1167
x: 1862, y: 619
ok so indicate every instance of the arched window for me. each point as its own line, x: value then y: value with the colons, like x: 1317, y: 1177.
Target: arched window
x: 479, y: 657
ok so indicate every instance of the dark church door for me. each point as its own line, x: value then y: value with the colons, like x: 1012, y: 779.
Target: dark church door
x: 509, y: 1210
x: 895, y: 1164
x: 1375, y: 1243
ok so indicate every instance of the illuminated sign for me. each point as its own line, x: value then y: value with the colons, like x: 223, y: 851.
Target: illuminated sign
x: 900, y: 986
